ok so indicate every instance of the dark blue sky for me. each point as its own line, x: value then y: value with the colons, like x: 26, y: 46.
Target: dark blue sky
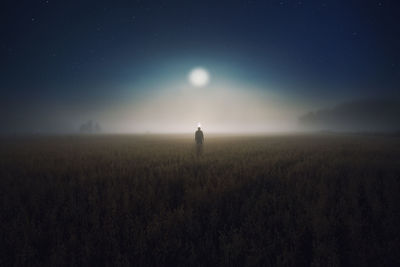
x: 83, y: 51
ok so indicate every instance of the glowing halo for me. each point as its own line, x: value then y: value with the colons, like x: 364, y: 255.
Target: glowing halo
x: 199, y: 77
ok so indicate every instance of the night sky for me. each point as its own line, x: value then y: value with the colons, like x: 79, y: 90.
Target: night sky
x: 125, y: 63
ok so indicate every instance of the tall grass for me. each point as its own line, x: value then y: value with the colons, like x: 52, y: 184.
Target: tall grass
x: 285, y: 200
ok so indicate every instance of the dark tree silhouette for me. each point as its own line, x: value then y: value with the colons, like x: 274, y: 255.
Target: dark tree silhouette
x: 90, y: 127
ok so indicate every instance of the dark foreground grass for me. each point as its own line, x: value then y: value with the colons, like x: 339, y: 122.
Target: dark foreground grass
x: 310, y: 200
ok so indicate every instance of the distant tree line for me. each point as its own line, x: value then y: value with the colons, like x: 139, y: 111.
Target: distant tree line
x: 90, y: 127
x: 374, y: 115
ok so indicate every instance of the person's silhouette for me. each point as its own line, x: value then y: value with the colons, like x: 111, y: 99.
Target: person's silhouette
x: 199, y: 137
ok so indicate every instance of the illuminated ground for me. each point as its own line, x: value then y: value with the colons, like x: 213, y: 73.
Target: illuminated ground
x: 245, y: 200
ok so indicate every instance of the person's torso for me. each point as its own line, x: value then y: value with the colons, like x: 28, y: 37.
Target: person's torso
x: 199, y: 134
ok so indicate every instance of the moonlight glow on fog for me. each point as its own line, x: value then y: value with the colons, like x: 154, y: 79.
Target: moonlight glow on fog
x: 199, y: 77
x: 162, y: 66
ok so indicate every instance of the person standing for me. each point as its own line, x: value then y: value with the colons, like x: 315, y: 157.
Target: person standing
x: 199, y: 137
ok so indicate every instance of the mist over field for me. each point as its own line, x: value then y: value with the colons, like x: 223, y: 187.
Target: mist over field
x: 371, y: 115
x: 217, y: 109
x: 199, y: 133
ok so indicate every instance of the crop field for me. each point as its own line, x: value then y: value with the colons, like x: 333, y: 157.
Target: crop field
x: 156, y: 200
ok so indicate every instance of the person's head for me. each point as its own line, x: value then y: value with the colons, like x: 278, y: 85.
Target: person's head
x: 198, y: 128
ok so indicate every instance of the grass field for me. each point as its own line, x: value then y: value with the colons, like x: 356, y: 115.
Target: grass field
x: 285, y: 200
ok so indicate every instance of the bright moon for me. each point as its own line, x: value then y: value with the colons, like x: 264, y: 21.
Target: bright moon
x: 199, y: 77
